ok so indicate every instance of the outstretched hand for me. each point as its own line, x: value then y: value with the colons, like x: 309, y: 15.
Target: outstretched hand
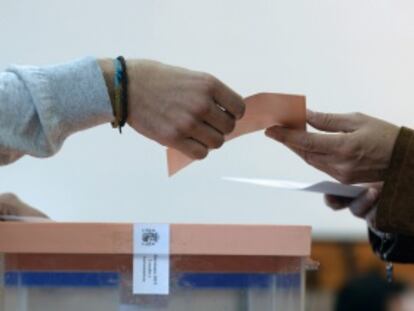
x: 179, y: 108
x: 357, y: 148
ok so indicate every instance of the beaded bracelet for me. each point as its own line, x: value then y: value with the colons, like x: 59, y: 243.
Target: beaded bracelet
x: 120, y: 106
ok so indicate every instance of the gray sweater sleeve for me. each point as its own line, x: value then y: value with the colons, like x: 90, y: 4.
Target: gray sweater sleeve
x: 41, y: 106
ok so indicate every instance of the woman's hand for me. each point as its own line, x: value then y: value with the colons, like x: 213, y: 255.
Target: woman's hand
x: 357, y: 150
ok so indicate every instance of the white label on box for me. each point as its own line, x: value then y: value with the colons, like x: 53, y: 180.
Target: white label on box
x: 151, y: 266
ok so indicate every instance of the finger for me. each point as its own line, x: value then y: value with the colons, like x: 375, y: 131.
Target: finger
x: 8, y: 197
x: 371, y: 218
x: 313, y: 142
x: 192, y: 148
x: 229, y: 100
x: 220, y: 120
x: 337, y: 202
x: 207, y: 135
x: 201, y: 132
x: 332, y: 122
x: 362, y: 205
x: 11, y: 205
x: 29, y: 211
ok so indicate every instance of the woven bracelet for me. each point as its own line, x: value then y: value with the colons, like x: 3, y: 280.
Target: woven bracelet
x: 121, y: 93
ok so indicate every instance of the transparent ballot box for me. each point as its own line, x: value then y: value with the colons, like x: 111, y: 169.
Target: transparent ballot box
x: 91, y: 266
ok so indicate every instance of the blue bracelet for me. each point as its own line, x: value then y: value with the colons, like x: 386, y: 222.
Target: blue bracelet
x: 121, y: 93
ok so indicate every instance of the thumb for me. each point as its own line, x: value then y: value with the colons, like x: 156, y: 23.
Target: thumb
x: 332, y: 122
x: 361, y: 206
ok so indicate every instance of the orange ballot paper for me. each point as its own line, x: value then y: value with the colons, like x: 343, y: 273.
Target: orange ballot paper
x: 263, y: 110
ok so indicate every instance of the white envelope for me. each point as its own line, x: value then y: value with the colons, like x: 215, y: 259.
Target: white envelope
x: 325, y: 187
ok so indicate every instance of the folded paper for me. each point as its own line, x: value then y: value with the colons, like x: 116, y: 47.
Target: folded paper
x: 325, y: 187
x: 263, y: 110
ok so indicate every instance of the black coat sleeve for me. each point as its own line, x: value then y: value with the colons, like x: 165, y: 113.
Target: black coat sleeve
x: 394, y: 247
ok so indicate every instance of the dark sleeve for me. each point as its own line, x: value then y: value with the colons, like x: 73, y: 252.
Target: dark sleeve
x: 393, y: 247
x: 395, y: 212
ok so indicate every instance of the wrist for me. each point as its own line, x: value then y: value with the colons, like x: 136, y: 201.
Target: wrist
x: 136, y: 84
x: 115, y: 73
x: 144, y: 77
x: 108, y: 71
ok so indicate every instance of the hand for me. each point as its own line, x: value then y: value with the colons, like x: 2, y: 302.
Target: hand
x: 359, y: 151
x: 11, y: 205
x: 365, y: 206
x: 187, y: 110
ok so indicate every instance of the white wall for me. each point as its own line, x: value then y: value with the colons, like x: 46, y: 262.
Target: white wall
x: 344, y: 55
